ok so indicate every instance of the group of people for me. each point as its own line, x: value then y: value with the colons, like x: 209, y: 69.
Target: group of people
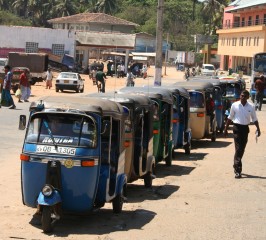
x: 23, y: 92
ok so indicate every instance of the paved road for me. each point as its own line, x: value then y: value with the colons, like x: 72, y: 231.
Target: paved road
x: 196, y: 198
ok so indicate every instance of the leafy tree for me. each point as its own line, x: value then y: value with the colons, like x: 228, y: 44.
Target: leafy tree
x: 64, y: 8
x: 7, y: 18
x: 106, y: 6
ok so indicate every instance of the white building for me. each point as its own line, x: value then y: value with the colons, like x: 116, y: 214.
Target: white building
x: 34, y: 39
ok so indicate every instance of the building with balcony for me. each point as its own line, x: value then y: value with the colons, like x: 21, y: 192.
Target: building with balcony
x: 243, y: 34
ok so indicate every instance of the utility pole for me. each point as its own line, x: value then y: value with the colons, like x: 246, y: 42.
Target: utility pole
x: 159, y: 44
x: 166, y: 55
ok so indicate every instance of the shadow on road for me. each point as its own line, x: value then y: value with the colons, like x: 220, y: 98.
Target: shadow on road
x: 251, y: 176
x: 179, y: 156
x: 100, y: 222
x: 138, y: 193
x: 207, y: 144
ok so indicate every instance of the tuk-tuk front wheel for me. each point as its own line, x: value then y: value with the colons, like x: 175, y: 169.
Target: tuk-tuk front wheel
x: 47, y: 219
x: 148, y: 178
x: 118, y: 201
x: 187, y: 148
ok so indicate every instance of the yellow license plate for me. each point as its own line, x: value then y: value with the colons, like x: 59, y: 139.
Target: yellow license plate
x: 66, y: 81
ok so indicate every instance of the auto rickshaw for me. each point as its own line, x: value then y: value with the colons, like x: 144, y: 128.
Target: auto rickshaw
x: 217, y: 97
x: 73, y: 159
x: 181, y: 124
x: 162, y: 100
x: 202, y: 115
x: 140, y: 162
x: 232, y: 90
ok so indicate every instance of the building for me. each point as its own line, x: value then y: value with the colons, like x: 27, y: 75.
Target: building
x: 34, y: 39
x: 243, y: 34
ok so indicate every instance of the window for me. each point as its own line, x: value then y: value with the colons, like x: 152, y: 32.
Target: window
x: 249, y: 21
x: 257, y: 20
x: 234, y: 41
x: 32, y: 47
x: 243, y: 22
x: 247, y: 41
x: 254, y: 43
x: 264, y: 19
x: 58, y: 49
x: 241, y: 40
x: 257, y: 41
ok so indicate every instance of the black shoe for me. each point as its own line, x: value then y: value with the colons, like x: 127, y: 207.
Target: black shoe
x: 26, y: 100
x: 238, y: 175
x: 19, y: 101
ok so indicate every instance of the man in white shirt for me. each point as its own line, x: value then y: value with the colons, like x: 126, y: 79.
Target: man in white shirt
x: 240, y: 114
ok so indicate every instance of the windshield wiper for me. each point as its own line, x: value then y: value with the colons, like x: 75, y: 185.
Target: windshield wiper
x: 50, y: 132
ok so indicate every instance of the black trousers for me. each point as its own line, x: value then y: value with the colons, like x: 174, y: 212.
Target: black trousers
x: 240, y: 139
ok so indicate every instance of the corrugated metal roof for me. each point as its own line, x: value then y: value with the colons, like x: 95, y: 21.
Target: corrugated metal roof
x: 103, y: 39
x: 92, y: 18
x: 241, y: 4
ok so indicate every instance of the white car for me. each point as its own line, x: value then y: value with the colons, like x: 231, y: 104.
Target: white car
x: 69, y: 81
x: 208, y: 70
x: 3, y: 62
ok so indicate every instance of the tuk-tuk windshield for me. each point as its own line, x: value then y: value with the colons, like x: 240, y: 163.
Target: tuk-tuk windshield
x: 62, y: 129
x: 233, y: 88
x: 196, y: 99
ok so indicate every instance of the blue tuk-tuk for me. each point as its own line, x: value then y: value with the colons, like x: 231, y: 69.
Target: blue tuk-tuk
x: 140, y: 162
x: 181, y: 124
x: 162, y: 100
x: 73, y: 157
x: 232, y: 90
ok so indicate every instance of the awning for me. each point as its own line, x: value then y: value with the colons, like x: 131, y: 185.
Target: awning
x: 106, y: 40
x: 144, y: 54
x: 115, y: 54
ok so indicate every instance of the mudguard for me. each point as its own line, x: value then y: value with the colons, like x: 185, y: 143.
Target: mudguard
x: 49, y: 201
x: 121, y: 181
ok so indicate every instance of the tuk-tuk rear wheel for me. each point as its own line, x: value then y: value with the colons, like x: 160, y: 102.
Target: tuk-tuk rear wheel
x: 187, y: 148
x: 149, y: 177
x: 47, y: 220
x: 118, y: 202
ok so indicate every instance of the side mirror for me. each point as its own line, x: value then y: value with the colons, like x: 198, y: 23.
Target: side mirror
x: 105, y: 127
x: 22, y: 122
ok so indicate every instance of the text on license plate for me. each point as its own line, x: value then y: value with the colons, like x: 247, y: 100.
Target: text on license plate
x: 58, y: 150
x: 66, y: 81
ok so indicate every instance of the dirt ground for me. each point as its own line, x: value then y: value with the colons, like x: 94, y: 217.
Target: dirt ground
x: 196, y: 198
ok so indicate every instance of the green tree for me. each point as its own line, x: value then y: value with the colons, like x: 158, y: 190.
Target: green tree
x: 213, y: 12
x: 64, y: 8
x: 106, y: 6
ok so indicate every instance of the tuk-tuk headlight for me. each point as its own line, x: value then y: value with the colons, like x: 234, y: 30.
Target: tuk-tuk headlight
x: 47, y: 190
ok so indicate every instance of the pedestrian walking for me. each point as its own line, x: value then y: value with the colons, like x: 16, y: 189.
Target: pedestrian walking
x: 100, y: 77
x: 240, y: 114
x: 24, y: 85
x: 49, y: 78
x: 259, y: 86
x: 130, y: 79
x: 6, y: 98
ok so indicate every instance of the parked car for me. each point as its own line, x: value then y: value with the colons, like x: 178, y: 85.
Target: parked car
x: 16, y: 71
x: 3, y: 62
x: 69, y: 81
x: 208, y: 70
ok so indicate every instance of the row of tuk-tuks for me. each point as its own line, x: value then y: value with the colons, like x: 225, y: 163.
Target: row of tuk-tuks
x: 81, y: 152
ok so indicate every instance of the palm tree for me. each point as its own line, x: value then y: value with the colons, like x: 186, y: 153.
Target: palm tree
x: 21, y: 7
x: 213, y: 9
x: 106, y: 6
x: 64, y: 7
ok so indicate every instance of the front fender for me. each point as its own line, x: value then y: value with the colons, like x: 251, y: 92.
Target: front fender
x: 49, y: 201
x: 121, y: 181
